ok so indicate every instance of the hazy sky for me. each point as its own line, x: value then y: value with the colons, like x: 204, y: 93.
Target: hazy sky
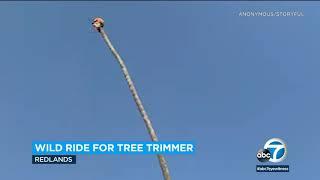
x: 206, y: 75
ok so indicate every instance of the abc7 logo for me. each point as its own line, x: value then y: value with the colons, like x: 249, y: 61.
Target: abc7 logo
x: 275, y: 151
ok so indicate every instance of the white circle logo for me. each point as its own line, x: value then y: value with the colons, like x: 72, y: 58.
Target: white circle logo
x: 277, y: 149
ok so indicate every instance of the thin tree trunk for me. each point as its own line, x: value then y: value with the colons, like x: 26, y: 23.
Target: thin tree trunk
x: 147, y: 121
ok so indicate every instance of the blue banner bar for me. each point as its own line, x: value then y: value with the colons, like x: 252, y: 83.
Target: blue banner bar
x: 67, y: 148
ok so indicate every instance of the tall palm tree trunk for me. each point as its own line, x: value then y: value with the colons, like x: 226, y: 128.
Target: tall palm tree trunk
x: 146, y: 119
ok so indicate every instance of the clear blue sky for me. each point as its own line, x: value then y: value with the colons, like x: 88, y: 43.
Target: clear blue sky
x: 226, y: 82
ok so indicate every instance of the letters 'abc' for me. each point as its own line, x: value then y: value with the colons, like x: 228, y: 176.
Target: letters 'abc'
x: 263, y: 155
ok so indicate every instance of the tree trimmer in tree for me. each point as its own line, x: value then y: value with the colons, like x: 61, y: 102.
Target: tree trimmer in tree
x: 98, y: 24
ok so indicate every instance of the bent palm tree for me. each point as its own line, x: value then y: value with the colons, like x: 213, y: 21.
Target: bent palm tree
x: 98, y: 23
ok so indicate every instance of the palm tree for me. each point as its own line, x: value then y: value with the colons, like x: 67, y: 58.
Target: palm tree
x: 98, y: 23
